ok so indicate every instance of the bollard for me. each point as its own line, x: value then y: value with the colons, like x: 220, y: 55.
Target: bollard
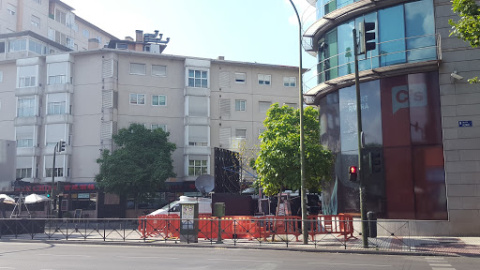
x: 372, y: 224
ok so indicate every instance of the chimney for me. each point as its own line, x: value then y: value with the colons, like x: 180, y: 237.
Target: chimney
x: 93, y: 43
x: 139, y: 35
x: 129, y: 38
x: 221, y: 58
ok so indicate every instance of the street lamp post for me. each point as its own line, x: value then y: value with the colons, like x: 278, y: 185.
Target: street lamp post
x: 302, y: 137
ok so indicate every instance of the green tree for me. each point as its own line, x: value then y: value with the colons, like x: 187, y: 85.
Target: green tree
x: 467, y: 27
x: 278, y: 161
x: 140, y: 165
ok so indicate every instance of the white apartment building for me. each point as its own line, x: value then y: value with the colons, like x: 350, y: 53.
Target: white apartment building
x: 84, y: 97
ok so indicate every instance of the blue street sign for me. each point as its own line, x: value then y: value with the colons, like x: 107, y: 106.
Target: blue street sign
x: 465, y: 124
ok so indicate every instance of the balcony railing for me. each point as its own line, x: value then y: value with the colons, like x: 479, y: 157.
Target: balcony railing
x: 388, y: 54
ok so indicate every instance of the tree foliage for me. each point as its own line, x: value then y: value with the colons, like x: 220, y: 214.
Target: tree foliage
x: 278, y: 161
x: 467, y: 27
x: 140, y: 165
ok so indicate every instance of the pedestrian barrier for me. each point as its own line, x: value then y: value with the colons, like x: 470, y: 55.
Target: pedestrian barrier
x: 248, y: 227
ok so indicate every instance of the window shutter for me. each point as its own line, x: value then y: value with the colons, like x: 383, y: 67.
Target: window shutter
x: 225, y: 107
x: 224, y: 80
x: 107, y: 68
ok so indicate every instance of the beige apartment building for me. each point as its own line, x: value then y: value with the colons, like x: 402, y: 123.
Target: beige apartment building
x: 84, y: 97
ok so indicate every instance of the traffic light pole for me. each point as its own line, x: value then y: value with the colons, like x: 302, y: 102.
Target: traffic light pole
x: 55, y: 149
x: 360, y: 144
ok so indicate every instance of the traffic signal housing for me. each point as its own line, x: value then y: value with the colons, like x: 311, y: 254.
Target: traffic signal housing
x: 375, y: 160
x: 367, y: 36
x: 61, y: 147
x: 353, y: 173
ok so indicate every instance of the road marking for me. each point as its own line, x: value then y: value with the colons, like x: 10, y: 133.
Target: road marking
x: 151, y: 257
x: 354, y: 264
x: 442, y: 268
x: 66, y: 255
x: 440, y: 265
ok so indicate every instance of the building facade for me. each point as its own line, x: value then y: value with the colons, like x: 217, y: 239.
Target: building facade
x: 84, y: 97
x: 418, y: 116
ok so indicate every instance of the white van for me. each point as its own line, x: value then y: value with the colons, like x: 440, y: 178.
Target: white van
x: 173, y: 208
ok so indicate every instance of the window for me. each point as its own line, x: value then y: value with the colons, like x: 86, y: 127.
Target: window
x: 24, y: 143
x: 240, y: 105
x: 2, y: 47
x: 58, y: 172
x: 197, y: 167
x: 1, y: 76
x: 55, y: 108
x: 197, y: 78
x: 198, y: 106
x: 138, y: 69
x: 11, y: 9
x: 198, y: 135
x: 61, y: 17
x: 138, y: 99
x: 122, y: 46
x: 58, y: 79
x: 85, y: 33
x: 240, y: 133
x: 155, y: 126
x: 240, y: 77
x: 159, y: 70
x: 293, y: 105
x: 26, y: 81
x: 289, y: 81
x: 18, y: 45
x: 264, y: 79
x: 35, y: 21
x: 36, y: 47
x: 159, y: 100
x: 26, y: 107
x: 24, y: 173
x: 264, y: 106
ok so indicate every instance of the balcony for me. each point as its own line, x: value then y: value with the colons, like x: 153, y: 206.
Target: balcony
x: 197, y: 150
x: 28, y: 91
x: 197, y: 121
x: 28, y: 121
x: 59, y: 88
x: 59, y: 119
x: 28, y: 151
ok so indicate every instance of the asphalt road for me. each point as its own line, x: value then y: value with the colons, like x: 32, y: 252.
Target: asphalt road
x: 45, y: 256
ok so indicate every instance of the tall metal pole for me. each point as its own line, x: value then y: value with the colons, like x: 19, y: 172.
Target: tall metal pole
x: 360, y: 144
x: 55, y: 149
x: 303, y: 196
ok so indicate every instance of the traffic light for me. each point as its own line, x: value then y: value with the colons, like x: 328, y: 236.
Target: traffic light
x: 48, y: 195
x: 367, y: 37
x: 353, y: 173
x: 61, y: 147
x: 375, y: 161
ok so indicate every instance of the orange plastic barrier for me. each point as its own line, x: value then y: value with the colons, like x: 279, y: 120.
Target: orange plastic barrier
x: 247, y: 227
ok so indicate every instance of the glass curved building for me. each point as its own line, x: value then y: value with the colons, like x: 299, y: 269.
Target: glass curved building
x: 418, y: 121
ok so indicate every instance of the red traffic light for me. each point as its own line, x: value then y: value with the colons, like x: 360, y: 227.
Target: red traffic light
x: 352, y: 171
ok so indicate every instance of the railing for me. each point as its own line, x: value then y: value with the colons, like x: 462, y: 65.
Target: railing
x: 385, y: 55
x: 332, y: 233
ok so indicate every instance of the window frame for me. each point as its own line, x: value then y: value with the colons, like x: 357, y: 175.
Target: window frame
x: 238, y: 77
x: 192, y: 81
x: 287, y: 81
x: 139, y: 64
x: 158, y: 103
x: 136, y: 99
x: 203, y: 167
x: 262, y: 79
x: 240, y: 105
x: 157, y: 74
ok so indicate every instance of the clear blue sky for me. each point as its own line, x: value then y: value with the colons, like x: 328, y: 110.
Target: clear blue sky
x: 262, y: 31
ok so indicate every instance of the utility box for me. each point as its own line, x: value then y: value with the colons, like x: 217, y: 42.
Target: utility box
x: 219, y: 209
x: 189, y: 222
